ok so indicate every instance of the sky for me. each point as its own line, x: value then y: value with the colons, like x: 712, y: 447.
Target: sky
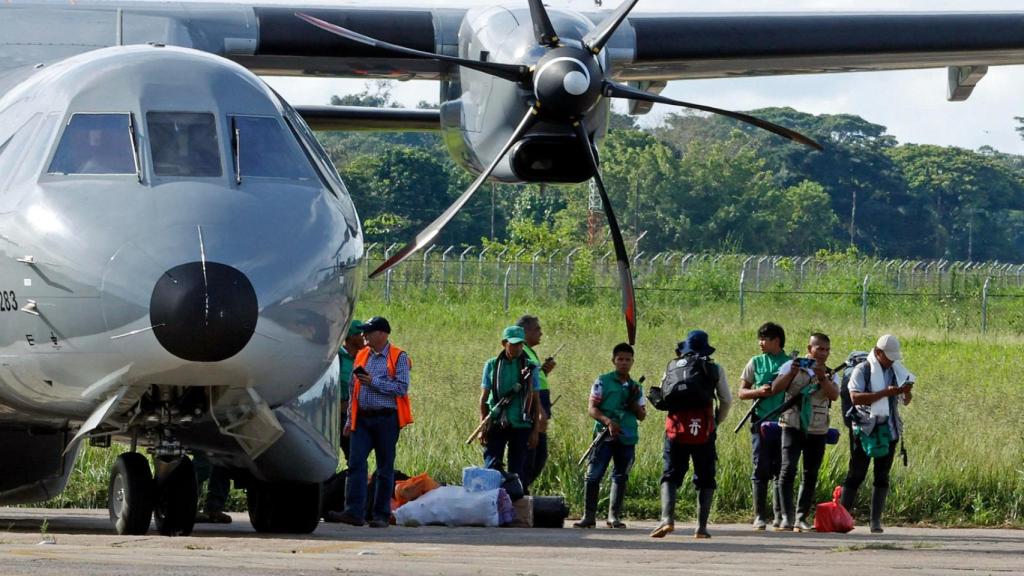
x: 911, y: 104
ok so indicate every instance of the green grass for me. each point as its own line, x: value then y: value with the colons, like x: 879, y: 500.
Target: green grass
x: 963, y: 431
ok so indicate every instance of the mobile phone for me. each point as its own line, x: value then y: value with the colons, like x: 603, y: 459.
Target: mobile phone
x: 359, y: 370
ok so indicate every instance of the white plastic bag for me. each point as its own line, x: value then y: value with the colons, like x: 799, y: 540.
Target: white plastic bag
x: 451, y: 506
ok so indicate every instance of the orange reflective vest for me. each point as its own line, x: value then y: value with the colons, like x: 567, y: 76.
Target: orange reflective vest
x: 402, y: 405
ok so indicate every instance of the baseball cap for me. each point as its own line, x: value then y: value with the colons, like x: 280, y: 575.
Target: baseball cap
x: 513, y: 334
x: 355, y: 328
x: 890, y: 346
x: 374, y: 324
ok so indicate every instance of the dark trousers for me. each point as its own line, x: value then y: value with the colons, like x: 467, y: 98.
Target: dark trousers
x: 537, y: 458
x: 621, y: 455
x: 767, y: 457
x: 494, y: 452
x: 859, y: 461
x: 378, y: 433
x: 676, y: 461
x: 812, y: 446
x: 218, y: 482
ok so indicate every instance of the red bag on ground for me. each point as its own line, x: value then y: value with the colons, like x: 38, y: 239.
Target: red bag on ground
x: 832, y: 516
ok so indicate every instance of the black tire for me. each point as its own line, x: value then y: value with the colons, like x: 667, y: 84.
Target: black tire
x: 177, y: 497
x: 130, y: 494
x: 284, y: 508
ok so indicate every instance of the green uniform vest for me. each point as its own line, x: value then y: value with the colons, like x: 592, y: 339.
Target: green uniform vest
x: 615, y: 405
x: 346, y: 362
x: 533, y: 357
x: 766, y: 368
x: 507, y: 379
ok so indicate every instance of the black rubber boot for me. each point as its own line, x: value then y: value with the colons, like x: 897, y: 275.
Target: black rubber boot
x: 777, y: 503
x: 848, y: 498
x: 668, y: 511
x: 589, y: 507
x: 618, y: 494
x: 878, y: 496
x: 788, y: 507
x: 760, y: 504
x: 705, y: 497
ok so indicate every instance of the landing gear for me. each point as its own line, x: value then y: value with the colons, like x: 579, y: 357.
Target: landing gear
x: 177, y: 496
x: 284, y: 508
x: 134, y: 496
x: 131, y: 494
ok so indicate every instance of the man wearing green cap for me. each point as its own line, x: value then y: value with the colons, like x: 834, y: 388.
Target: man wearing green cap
x: 352, y: 344
x: 510, y: 395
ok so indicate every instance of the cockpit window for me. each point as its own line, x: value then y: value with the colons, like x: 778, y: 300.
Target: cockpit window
x: 263, y: 149
x: 184, y: 144
x: 95, y: 144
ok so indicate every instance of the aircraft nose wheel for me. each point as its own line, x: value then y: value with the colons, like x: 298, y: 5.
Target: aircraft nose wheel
x: 130, y: 495
x: 177, y: 496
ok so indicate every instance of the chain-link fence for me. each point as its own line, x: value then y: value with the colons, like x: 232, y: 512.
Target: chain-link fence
x: 980, y: 296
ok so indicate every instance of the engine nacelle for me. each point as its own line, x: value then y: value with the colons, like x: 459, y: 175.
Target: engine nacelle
x: 479, y: 112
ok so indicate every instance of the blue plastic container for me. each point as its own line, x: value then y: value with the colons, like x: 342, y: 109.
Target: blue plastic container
x: 476, y: 479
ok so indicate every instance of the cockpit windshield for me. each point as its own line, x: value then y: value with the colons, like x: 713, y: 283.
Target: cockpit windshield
x: 95, y: 144
x: 184, y: 144
x: 263, y: 149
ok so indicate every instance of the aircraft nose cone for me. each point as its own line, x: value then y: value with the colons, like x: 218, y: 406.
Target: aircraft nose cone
x: 203, y: 313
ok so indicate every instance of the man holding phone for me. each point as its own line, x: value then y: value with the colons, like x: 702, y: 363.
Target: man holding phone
x: 804, y: 427
x: 877, y: 388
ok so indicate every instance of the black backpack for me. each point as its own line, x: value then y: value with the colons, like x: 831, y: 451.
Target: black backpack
x: 846, y: 404
x: 689, y: 383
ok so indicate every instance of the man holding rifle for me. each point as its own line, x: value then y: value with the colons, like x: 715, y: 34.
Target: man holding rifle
x: 810, y: 391
x: 617, y: 405
x: 510, y: 411
x: 756, y: 384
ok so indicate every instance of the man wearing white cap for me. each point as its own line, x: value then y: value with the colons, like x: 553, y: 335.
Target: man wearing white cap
x: 877, y: 387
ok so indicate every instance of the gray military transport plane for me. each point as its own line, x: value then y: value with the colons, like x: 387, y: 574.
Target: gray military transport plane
x: 178, y: 255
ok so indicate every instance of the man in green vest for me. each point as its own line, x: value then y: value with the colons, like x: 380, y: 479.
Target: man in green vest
x: 756, y: 384
x: 617, y: 404
x: 509, y: 391
x: 537, y: 457
x: 352, y: 344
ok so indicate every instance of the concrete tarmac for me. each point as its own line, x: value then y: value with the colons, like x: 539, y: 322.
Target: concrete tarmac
x: 37, y: 542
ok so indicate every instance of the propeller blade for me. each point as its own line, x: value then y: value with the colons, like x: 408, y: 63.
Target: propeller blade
x: 510, y: 72
x: 614, y: 90
x: 621, y: 257
x: 598, y: 37
x: 542, y: 27
x: 430, y: 232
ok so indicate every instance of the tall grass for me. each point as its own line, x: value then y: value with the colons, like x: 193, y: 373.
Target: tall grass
x: 963, y: 430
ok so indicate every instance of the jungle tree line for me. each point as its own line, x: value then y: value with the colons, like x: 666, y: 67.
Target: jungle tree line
x: 700, y: 183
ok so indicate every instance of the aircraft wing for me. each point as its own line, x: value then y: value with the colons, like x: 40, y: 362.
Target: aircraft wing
x: 678, y: 46
x: 355, y: 118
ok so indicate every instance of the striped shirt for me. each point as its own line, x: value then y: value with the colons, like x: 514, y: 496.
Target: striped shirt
x: 382, y: 390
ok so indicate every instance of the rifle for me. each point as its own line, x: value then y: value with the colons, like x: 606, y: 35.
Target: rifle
x: 503, y: 403
x: 753, y: 408
x: 593, y: 446
x: 796, y: 398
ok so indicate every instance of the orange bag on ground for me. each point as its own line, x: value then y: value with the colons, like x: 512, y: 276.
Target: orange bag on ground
x: 413, y: 488
x: 832, y: 516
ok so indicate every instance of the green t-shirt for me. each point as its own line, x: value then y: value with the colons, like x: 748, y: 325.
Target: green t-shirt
x: 765, y: 368
x: 507, y: 379
x: 533, y: 357
x: 614, y: 403
x: 346, y: 361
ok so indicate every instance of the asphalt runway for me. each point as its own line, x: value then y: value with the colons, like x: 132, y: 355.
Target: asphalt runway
x: 81, y: 543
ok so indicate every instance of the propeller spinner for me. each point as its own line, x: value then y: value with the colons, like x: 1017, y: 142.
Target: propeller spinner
x: 567, y: 82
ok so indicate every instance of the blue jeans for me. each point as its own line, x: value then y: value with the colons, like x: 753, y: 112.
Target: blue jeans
x: 621, y: 454
x: 380, y: 434
x: 494, y: 453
